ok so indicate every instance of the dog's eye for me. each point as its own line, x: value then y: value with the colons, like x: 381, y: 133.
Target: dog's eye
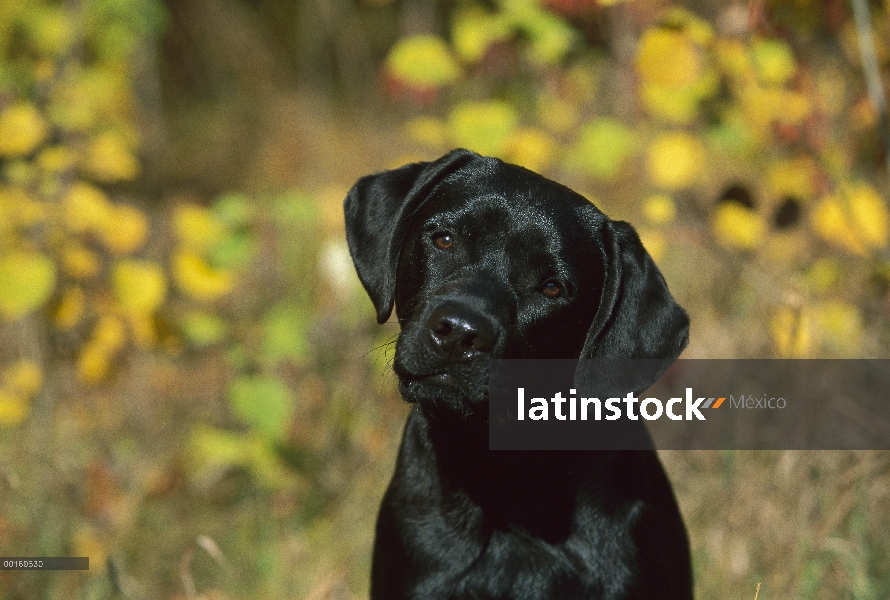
x: 443, y: 240
x: 551, y: 289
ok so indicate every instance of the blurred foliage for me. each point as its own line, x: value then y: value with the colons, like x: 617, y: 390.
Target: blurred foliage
x: 193, y: 389
x: 67, y: 135
x: 690, y: 114
x: 105, y: 284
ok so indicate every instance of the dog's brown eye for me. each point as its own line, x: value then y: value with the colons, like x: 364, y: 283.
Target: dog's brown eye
x: 551, y: 289
x: 443, y: 240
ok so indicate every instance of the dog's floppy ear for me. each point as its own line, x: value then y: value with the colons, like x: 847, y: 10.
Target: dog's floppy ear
x: 378, y: 209
x: 637, y: 316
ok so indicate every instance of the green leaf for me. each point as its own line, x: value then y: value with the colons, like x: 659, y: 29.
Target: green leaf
x: 603, y: 147
x: 214, y: 451
x: 551, y: 37
x: 215, y: 447
x: 232, y: 251
x: 731, y: 137
x: 202, y: 328
x: 26, y: 282
x: 484, y: 127
x: 51, y: 30
x: 237, y: 357
x: 774, y: 61
x: 233, y: 209
x: 295, y: 208
x: 423, y: 61
x: 474, y: 30
x: 284, y: 335
x: 262, y: 402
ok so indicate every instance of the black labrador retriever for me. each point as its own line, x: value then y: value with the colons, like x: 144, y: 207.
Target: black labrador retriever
x: 484, y: 259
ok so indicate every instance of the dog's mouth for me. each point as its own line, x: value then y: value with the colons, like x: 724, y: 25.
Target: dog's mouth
x: 456, y: 386
x: 438, y: 377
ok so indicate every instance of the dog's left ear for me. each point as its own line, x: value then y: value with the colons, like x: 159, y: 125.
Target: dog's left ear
x: 637, y: 316
x: 378, y: 209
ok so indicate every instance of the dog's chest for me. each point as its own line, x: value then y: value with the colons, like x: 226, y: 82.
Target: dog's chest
x: 463, y: 556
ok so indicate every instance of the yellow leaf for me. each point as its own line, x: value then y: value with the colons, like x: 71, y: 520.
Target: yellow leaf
x: 737, y: 226
x: 197, y: 227
x: 840, y: 326
x: 765, y: 105
x: 423, y: 61
x: 13, y: 409
x: 733, y: 58
x: 474, y: 30
x: 792, y: 333
x: 26, y: 282
x: 484, y: 127
x: 832, y: 225
x: 139, y: 286
x: 699, y: 31
x: 796, y: 107
x: 774, y: 61
x: 198, y: 279
x: 109, y: 334
x: 142, y: 326
x: 659, y: 209
x: 531, y: 148
x: 126, y: 229
x: 23, y: 377
x: 70, y: 309
x: 87, y: 208
x: 79, y: 262
x: 56, y: 159
x: 110, y: 159
x: 668, y: 58
x: 868, y: 214
x: 793, y: 177
x: 823, y: 275
x: 856, y: 220
x: 93, y: 363
x: 22, y: 130
x: 675, y: 160
x: 18, y: 209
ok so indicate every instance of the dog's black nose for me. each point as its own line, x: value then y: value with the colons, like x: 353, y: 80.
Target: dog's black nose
x: 459, y: 332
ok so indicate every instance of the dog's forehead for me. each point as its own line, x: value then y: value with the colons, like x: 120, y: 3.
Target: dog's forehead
x: 490, y: 190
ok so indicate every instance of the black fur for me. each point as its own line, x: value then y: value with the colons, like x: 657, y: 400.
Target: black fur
x: 460, y: 521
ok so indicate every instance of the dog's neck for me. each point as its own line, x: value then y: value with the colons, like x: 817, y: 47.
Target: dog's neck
x: 493, y: 480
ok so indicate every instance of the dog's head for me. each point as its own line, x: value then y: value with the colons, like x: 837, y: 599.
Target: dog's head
x: 484, y: 259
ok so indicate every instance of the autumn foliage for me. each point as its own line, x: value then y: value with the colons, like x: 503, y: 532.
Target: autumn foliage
x: 193, y: 389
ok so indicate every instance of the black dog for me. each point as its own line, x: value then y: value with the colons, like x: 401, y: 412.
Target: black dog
x: 483, y: 259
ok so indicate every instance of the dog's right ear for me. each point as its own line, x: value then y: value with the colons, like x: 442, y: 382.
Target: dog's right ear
x: 378, y: 209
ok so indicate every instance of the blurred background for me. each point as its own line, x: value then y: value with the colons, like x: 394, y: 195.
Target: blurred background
x: 193, y: 389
